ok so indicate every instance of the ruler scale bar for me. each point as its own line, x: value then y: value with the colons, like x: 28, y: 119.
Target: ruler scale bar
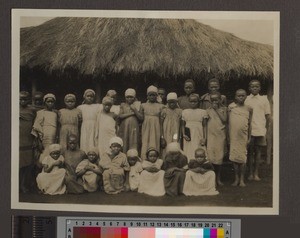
x: 120, y: 227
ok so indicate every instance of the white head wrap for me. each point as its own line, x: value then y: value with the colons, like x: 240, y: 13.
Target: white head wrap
x: 117, y: 140
x: 49, y: 95
x: 172, y: 96
x: 54, y: 147
x: 152, y: 89
x: 130, y: 92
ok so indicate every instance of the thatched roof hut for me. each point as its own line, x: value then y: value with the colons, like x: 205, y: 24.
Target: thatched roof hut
x: 138, y: 50
x: 167, y: 47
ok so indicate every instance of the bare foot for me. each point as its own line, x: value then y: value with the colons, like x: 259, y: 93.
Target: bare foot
x: 219, y: 183
x: 235, y: 183
x: 242, y: 184
x: 256, y: 178
x: 250, y: 178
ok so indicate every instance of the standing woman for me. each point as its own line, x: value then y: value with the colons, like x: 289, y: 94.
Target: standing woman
x: 151, y: 130
x: 129, y: 117
x: 89, y: 112
x: 194, y: 122
x: 27, y: 115
x: 45, y: 124
x: 69, y: 120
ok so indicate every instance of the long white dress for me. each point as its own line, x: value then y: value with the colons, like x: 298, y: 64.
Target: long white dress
x: 193, y: 119
x: 53, y: 182
x: 152, y: 183
x: 134, y: 176
x: 88, y: 127
x: 105, y: 130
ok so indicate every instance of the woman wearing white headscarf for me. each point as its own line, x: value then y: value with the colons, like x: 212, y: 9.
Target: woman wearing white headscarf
x: 89, y: 111
x: 130, y: 116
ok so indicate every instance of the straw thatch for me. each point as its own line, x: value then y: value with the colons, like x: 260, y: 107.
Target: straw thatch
x: 166, y: 47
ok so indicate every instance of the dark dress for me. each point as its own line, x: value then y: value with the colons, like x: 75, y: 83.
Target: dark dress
x: 72, y: 159
x: 129, y: 129
x: 174, y: 173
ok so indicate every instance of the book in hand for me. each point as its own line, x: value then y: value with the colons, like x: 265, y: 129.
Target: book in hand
x: 187, y: 132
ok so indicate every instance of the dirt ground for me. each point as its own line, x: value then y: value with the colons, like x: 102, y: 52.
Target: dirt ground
x: 255, y: 194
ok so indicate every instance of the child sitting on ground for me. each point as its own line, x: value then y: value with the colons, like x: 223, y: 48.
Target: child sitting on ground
x: 114, y: 165
x: 51, y: 179
x: 200, y: 178
x: 89, y: 170
x: 135, y: 169
x: 152, y: 177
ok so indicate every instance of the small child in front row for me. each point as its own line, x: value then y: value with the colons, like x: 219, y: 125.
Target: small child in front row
x: 239, y: 116
x: 135, y: 169
x: 51, y: 179
x: 114, y: 164
x: 200, y: 178
x: 89, y: 171
x: 152, y: 177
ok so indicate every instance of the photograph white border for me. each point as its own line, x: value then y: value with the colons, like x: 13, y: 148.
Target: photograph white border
x: 15, y: 88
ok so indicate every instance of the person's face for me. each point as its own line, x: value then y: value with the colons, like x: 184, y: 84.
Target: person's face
x: 194, y: 103
x: 152, y: 156
x: 172, y: 104
x: 152, y: 97
x: 24, y: 101
x: 70, y: 103
x: 132, y: 161
x: 92, y: 156
x: 89, y: 98
x: 215, y: 100
x: 199, y: 155
x: 115, y: 148
x: 129, y: 99
x: 240, y: 97
x: 38, y: 101
x: 114, y: 98
x: 49, y: 103
x: 162, y: 93
x: 213, y: 87
x: 254, y: 88
x: 107, y: 106
x: 55, y: 154
x: 72, y: 144
x: 189, y: 88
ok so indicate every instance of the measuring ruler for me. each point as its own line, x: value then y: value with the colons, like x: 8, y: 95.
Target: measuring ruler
x: 121, y: 227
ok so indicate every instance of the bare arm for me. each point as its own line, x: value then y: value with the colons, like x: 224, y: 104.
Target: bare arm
x: 249, y: 124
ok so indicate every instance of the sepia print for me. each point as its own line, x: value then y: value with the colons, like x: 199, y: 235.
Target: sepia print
x: 145, y: 111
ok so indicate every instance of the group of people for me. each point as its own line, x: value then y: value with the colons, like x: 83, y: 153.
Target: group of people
x: 167, y: 145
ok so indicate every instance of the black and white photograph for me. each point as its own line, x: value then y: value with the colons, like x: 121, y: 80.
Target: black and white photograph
x: 170, y: 112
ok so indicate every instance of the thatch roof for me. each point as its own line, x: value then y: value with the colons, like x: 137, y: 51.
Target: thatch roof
x: 166, y: 47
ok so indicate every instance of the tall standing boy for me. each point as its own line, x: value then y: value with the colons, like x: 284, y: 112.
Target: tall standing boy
x: 259, y: 123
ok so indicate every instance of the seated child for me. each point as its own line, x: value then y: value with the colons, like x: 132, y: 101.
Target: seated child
x: 152, y: 177
x: 135, y: 169
x: 51, y: 179
x: 73, y: 156
x: 114, y: 165
x: 175, y: 166
x: 200, y: 178
x: 89, y: 170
